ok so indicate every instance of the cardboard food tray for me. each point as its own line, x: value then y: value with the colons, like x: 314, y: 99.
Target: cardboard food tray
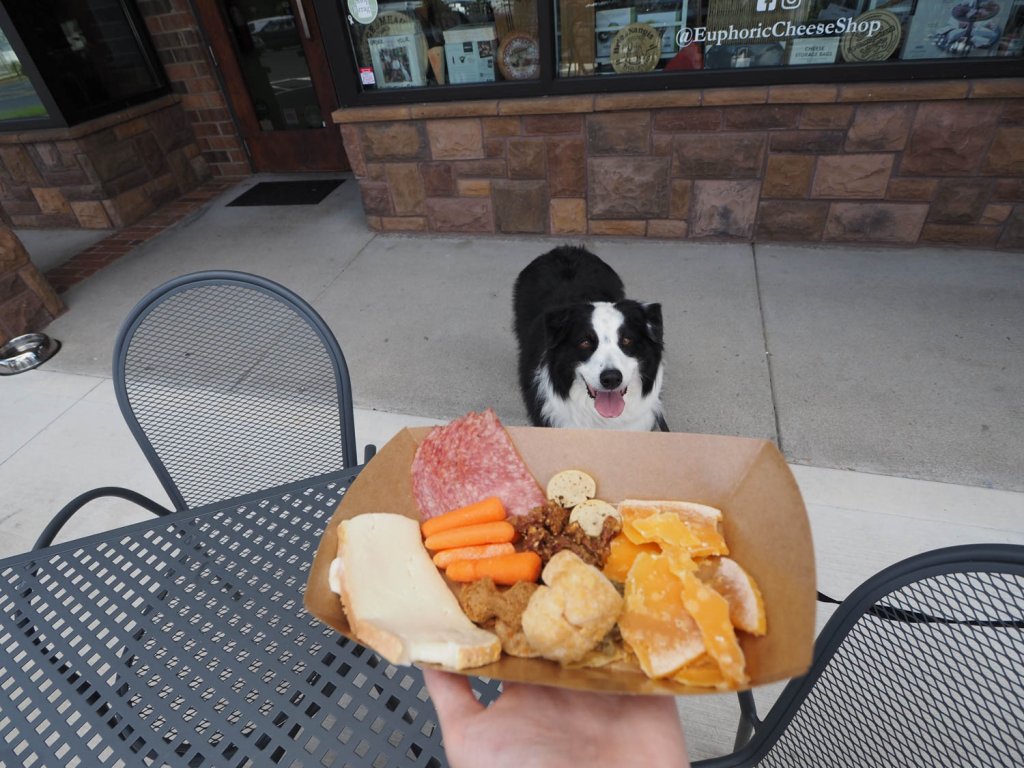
x: 764, y: 519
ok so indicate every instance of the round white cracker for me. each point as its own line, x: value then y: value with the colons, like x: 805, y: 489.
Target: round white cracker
x: 590, y: 515
x: 571, y: 487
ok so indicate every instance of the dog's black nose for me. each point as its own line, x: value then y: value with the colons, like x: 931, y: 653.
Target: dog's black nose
x: 610, y: 378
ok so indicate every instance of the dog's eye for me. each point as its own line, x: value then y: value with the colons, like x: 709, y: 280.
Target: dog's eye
x: 626, y: 341
x: 585, y: 343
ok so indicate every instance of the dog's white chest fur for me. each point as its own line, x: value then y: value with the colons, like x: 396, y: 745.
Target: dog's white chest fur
x: 578, y: 409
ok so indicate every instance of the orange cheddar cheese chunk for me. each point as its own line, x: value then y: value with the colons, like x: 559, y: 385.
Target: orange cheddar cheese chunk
x: 711, y: 613
x: 662, y: 528
x: 645, y: 521
x: 702, y: 672
x: 621, y: 554
x: 746, y: 606
x: 654, y: 621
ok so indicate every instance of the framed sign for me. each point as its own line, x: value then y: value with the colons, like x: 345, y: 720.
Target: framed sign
x: 875, y: 39
x: 363, y: 11
x: 519, y: 57
x: 636, y: 48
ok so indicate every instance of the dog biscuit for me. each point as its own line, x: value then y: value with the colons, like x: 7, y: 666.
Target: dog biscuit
x: 571, y: 487
x: 590, y: 515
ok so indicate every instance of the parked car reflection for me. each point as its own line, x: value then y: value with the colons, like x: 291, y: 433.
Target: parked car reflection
x: 275, y: 32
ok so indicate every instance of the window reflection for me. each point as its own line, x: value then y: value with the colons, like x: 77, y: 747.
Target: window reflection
x: 274, y: 64
x: 444, y: 42
x: 88, y: 52
x: 18, y: 99
x: 612, y: 37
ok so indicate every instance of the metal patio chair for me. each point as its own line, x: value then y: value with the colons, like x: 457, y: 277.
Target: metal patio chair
x: 230, y: 383
x: 922, y: 665
x: 199, y: 650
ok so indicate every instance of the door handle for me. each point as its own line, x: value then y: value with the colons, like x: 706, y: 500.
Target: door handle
x: 302, y: 19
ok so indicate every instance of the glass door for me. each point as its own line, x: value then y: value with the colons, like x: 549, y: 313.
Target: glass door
x: 271, y: 57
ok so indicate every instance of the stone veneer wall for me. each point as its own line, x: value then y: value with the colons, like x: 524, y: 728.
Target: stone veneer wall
x: 27, y: 302
x: 105, y: 173
x: 938, y: 162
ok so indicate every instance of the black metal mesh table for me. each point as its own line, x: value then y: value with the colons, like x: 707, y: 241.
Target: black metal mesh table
x: 184, y: 642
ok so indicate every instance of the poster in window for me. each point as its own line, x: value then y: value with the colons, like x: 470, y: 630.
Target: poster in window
x: 388, y: 23
x: 397, y: 62
x: 813, y: 51
x: 469, y: 52
x: 943, y: 29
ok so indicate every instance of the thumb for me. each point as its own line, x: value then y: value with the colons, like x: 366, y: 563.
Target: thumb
x: 453, y: 699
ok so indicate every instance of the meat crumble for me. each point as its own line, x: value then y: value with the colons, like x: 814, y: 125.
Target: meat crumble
x: 546, y: 530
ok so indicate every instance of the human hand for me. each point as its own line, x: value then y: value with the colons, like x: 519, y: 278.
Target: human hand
x: 545, y: 727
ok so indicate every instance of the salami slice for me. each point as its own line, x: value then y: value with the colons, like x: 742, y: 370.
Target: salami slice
x: 470, y: 459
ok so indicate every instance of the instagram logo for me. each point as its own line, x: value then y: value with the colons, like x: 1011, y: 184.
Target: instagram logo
x: 763, y: 6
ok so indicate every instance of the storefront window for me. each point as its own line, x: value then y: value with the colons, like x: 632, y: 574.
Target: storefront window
x: 92, y: 55
x: 18, y: 98
x: 442, y: 50
x: 596, y: 38
x: 443, y: 42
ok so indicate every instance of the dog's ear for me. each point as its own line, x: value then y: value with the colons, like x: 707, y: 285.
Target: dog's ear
x: 556, y: 326
x: 652, y: 314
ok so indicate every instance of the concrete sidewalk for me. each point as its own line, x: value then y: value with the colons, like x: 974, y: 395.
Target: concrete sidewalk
x: 890, y: 378
x: 901, y: 362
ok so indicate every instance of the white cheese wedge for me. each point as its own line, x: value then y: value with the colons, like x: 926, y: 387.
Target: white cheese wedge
x: 396, y: 600
x: 334, y: 576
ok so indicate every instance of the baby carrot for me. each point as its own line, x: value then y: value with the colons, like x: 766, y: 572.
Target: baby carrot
x: 488, y: 510
x: 471, y: 535
x: 503, y: 569
x: 446, y: 557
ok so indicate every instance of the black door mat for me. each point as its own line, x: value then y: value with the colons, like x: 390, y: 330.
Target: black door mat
x: 288, y: 192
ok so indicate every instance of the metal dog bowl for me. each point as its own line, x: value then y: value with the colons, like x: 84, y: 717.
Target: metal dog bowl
x: 22, y: 353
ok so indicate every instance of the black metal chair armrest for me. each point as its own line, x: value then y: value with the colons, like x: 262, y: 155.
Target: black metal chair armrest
x: 748, y: 719
x: 68, y: 510
x: 369, y: 452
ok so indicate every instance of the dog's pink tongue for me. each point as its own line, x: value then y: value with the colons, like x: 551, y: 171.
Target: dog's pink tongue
x: 609, y: 404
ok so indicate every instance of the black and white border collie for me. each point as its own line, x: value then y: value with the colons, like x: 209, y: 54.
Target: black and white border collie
x: 588, y: 356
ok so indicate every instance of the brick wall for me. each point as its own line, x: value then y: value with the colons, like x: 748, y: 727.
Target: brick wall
x: 917, y: 163
x: 112, y: 171
x: 105, y: 173
x: 174, y: 31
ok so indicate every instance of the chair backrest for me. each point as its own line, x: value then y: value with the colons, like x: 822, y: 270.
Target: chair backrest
x: 923, y: 665
x: 232, y: 383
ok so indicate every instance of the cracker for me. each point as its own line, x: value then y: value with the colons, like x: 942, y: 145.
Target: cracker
x: 571, y: 487
x: 590, y: 515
